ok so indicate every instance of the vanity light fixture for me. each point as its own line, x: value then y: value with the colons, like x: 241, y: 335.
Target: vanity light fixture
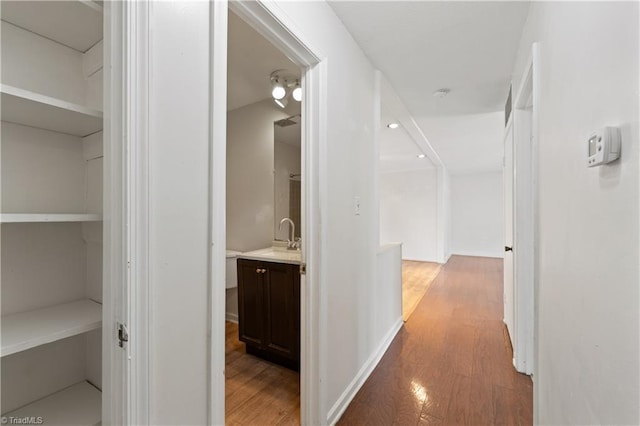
x: 421, y: 156
x: 284, y: 86
x: 393, y: 125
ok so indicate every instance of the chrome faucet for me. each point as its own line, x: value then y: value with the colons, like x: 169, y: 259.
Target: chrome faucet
x: 292, y: 243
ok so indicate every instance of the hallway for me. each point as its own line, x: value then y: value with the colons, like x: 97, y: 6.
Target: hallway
x: 451, y: 362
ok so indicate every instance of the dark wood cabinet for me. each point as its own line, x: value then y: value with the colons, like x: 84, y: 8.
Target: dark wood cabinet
x: 269, y: 310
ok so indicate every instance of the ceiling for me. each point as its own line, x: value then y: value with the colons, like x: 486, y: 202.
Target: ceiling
x: 422, y: 46
x: 251, y: 60
x: 469, y: 143
x: 398, y: 151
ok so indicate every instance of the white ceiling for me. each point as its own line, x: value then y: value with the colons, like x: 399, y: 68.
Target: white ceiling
x: 251, y: 60
x: 421, y: 46
x: 468, y: 143
x: 467, y: 47
x: 398, y: 151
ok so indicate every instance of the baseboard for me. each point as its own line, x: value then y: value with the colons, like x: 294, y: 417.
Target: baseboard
x: 479, y: 254
x: 350, y: 392
x: 232, y: 317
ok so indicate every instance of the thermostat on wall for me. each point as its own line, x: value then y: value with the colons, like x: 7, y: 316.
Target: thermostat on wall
x: 604, y: 146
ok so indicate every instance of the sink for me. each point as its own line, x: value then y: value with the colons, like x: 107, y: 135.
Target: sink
x: 274, y: 254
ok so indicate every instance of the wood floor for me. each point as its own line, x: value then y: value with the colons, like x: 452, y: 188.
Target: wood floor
x: 416, y: 279
x: 258, y: 392
x: 451, y: 362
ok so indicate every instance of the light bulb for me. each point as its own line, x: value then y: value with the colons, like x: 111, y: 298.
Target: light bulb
x: 297, y: 93
x: 278, y: 91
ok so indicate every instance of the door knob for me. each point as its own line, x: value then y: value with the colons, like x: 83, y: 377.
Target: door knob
x: 507, y: 248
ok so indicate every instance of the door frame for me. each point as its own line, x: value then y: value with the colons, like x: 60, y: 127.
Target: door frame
x: 525, y: 217
x: 272, y: 23
x: 126, y: 371
x: 509, y: 319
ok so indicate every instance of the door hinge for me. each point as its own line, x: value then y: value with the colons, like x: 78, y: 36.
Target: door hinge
x: 303, y: 269
x: 123, y: 335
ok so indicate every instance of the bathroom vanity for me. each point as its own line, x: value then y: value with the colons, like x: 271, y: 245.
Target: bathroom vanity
x: 269, y: 304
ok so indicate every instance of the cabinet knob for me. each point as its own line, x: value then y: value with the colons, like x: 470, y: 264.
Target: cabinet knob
x: 263, y: 271
x: 258, y: 271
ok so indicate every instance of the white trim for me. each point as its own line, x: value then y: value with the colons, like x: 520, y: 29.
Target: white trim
x: 350, y: 392
x: 478, y: 254
x: 139, y: 314
x: 217, y: 210
x: 270, y: 21
x: 525, y: 171
x: 126, y: 373
x: 114, y: 400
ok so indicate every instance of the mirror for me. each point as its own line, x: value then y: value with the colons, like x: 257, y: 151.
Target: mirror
x: 287, y: 189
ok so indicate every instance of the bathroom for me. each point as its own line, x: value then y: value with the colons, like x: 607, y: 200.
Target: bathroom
x: 263, y: 230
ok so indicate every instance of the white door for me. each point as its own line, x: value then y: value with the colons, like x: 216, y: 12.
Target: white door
x: 509, y: 281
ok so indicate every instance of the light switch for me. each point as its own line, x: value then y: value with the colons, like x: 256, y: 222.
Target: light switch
x: 356, y: 205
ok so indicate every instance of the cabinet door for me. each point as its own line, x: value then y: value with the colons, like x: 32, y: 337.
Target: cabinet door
x: 251, y: 301
x: 282, y: 309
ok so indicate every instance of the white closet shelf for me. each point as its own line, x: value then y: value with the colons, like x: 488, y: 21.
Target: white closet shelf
x: 26, y: 330
x: 33, y: 109
x: 80, y: 404
x: 46, y: 217
x: 76, y: 24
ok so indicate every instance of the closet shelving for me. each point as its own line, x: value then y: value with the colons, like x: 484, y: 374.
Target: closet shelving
x: 51, y: 99
x: 48, y: 217
x: 78, y: 404
x: 26, y: 330
x: 31, y: 109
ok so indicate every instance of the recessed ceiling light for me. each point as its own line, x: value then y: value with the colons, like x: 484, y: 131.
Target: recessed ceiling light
x: 441, y: 93
x: 393, y: 125
x: 421, y: 156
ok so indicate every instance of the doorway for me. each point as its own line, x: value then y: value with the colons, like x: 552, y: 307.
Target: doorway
x: 263, y: 178
x: 272, y: 28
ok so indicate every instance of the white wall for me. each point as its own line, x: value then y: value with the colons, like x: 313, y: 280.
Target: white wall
x: 408, y: 213
x: 587, y: 368
x: 477, y: 214
x: 349, y: 242
x: 178, y: 197
x: 250, y: 183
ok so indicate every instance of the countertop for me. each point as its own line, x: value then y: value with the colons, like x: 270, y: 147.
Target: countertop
x: 274, y: 254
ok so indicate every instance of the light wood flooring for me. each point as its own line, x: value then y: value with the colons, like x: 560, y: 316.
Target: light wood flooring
x: 416, y: 278
x: 258, y: 392
x: 451, y: 362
